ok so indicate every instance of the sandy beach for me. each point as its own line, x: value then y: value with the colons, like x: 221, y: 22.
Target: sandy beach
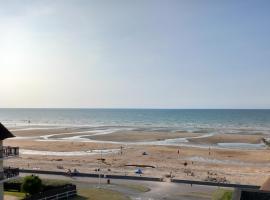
x: 56, y: 149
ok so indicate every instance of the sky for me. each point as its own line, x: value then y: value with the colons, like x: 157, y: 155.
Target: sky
x: 134, y: 54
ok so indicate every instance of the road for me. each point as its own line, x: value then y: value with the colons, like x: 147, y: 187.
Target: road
x: 158, y: 190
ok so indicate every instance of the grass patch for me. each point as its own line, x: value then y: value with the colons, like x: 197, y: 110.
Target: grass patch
x: 20, y: 195
x: 99, y: 194
x: 222, y: 194
x: 138, y: 188
x: 198, y: 195
x: 53, y: 182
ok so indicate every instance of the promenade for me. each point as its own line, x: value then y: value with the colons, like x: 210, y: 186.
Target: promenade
x: 159, y: 189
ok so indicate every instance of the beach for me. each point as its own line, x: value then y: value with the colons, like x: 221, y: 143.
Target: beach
x: 209, y: 145
x: 234, y: 158
x: 170, y: 92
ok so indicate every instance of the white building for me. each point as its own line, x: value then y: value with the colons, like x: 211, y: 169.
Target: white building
x: 6, y: 173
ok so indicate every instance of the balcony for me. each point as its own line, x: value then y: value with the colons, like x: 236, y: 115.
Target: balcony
x: 7, y: 152
x: 9, y: 173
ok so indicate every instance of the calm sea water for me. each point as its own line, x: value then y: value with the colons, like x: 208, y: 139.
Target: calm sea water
x: 227, y: 121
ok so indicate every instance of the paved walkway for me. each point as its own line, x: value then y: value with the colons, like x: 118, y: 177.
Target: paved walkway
x: 8, y: 197
x: 159, y: 190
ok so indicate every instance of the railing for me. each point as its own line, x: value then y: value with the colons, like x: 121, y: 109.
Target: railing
x: 249, y: 194
x: 206, y: 183
x: 142, y: 178
x: 6, y: 152
x: 66, y: 192
x: 9, y: 172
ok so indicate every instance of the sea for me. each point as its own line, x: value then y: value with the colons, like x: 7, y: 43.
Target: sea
x: 191, y: 120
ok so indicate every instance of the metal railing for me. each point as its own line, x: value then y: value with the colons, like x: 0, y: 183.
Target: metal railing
x: 9, y: 172
x: 7, y: 151
x: 249, y: 194
x: 67, y: 192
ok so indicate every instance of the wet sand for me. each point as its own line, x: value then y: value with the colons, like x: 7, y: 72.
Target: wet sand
x: 29, y: 132
x: 136, y: 136
x: 228, y: 138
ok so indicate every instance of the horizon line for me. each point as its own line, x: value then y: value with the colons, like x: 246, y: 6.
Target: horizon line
x: 132, y: 108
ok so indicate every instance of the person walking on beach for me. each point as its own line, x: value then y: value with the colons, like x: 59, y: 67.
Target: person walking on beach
x: 121, y: 150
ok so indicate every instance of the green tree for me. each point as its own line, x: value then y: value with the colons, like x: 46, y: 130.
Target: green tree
x: 31, y: 184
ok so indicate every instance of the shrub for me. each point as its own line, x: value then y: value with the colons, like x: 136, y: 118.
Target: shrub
x: 222, y: 194
x: 31, y: 184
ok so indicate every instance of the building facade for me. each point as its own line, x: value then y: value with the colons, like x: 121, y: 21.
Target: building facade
x: 6, y: 152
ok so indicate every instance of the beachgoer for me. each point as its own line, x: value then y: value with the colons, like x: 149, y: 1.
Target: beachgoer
x: 69, y: 172
x: 121, y: 150
x: 75, y: 172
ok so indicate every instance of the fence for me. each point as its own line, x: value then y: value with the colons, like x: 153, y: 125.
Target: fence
x: 142, y: 178
x: 249, y: 194
x: 9, y: 172
x: 12, y: 186
x: 214, y: 184
x: 66, y: 192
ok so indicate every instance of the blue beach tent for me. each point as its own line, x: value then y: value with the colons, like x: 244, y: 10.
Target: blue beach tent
x: 138, y: 171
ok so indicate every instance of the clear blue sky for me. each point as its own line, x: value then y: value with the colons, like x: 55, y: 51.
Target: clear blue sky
x: 135, y: 53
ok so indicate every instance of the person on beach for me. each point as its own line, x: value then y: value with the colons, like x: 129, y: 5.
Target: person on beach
x: 178, y: 153
x: 69, y: 172
x: 121, y: 150
x: 75, y: 172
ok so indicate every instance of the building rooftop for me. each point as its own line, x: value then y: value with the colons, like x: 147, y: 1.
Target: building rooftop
x: 266, y: 185
x: 5, y: 133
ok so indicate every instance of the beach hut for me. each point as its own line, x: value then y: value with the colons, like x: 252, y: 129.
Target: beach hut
x: 6, y: 152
